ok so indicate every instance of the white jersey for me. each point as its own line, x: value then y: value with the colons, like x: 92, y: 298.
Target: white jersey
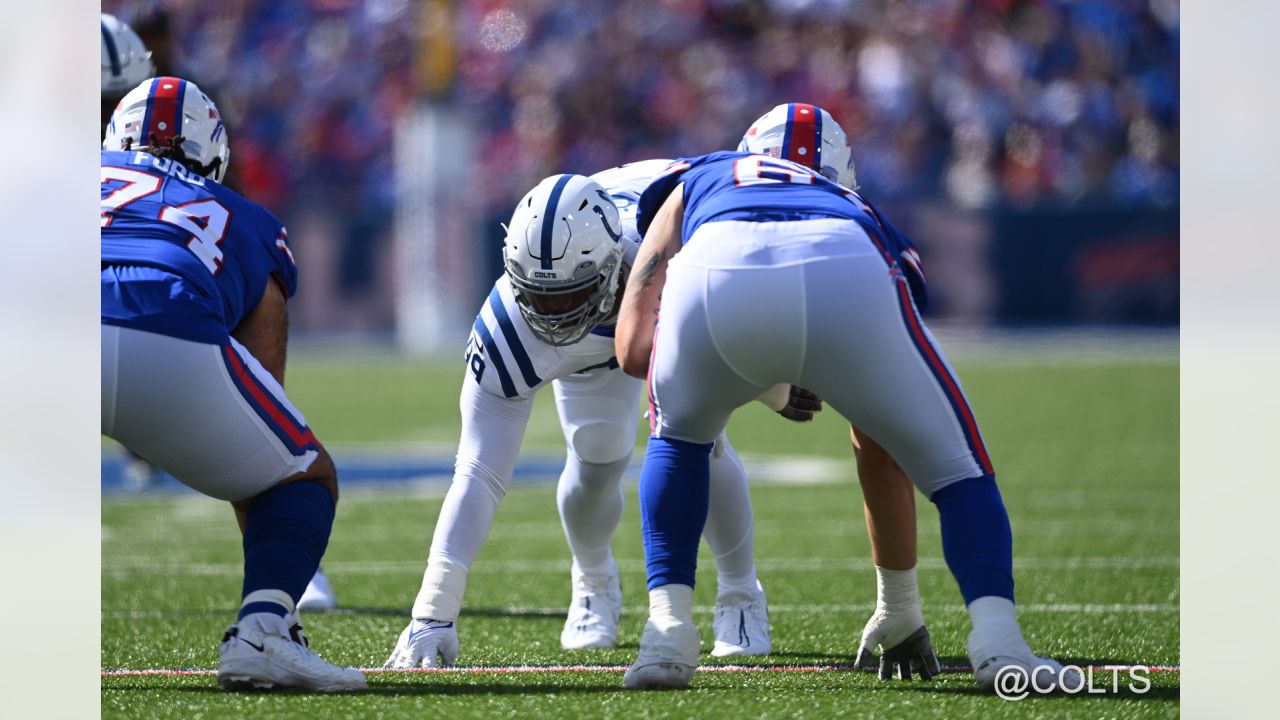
x: 505, y: 357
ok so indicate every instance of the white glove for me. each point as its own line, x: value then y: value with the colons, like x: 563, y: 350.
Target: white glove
x: 897, y: 628
x: 901, y: 654
x: 425, y: 643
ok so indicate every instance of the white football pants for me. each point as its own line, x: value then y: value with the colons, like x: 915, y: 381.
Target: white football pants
x: 748, y: 305
x: 209, y: 415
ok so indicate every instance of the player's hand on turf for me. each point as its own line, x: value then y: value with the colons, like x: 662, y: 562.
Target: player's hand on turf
x: 914, y: 654
x: 425, y: 643
x: 802, y: 405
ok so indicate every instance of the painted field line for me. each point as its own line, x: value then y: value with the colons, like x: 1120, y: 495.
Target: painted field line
x: 533, y: 669
x: 135, y: 564
x: 1050, y: 608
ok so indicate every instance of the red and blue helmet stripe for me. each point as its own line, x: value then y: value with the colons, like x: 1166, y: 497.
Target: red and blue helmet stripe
x: 802, y: 135
x: 163, y: 116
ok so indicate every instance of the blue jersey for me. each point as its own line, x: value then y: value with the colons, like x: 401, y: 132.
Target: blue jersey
x: 742, y: 186
x: 183, y: 255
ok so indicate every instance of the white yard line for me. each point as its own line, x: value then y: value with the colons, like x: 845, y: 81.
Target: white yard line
x: 123, y: 566
x: 1045, y: 608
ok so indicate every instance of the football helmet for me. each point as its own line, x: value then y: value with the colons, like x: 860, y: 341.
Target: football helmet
x: 563, y: 255
x: 168, y: 107
x: 805, y: 134
x: 125, y: 60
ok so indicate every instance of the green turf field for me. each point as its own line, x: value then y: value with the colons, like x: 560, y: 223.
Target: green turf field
x: 1087, y: 455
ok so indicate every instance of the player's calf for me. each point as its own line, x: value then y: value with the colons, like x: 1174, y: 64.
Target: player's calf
x: 286, y: 531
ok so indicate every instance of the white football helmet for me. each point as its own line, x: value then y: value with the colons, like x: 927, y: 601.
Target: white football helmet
x: 806, y: 134
x: 563, y: 254
x: 125, y: 60
x: 163, y: 108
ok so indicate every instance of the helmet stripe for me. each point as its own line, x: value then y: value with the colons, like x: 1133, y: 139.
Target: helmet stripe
x: 803, y: 136
x: 548, y: 220
x: 164, y: 109
x: 113, y: 54
x: 182, y: 102
x: 786, y: 131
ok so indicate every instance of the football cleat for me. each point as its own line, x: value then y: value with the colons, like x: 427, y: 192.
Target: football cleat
x: 262, y: 652
x: 991, y: 660
x: 592, y: 621
x: 668, y: 656
x: 319, y: 594
x: 741, y: 626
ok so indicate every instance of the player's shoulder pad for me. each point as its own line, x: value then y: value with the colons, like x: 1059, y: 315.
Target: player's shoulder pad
x: 655, y: 195
x: 502, y: 354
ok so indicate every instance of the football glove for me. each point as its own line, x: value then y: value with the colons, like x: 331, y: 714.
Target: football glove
x: 801, y: 406
x: 913, y: 654
x: 425, y: 643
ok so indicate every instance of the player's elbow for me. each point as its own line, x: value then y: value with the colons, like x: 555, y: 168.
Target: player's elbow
x: 633, y: 355
x: 634, y: 364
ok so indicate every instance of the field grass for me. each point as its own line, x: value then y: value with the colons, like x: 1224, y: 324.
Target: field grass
x: 1087, y: 455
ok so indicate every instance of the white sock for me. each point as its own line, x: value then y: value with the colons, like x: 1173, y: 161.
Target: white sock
x: 279, y: 597
x: 730, y: 528
x: 672, y: 602
x: 995, y: 627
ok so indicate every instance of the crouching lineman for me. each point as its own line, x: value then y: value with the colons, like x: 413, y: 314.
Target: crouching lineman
x: 549, y: 321
x: 195, y: 280
x: 808, y: 135
x: 749, y: 251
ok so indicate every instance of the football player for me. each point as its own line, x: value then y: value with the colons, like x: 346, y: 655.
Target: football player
x: 549, y: 321
x: 195, y: 280
x: 744, y: 251
x: 554, y: 326
x: 810, y: 136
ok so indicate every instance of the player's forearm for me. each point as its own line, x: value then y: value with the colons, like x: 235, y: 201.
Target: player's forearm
x: 638, y: 317
x: 492, y: 431
x: 889, y: 505
x: 265, y: 331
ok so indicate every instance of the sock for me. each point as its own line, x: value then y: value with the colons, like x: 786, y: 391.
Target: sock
x: 671, y: 602
x: 995, y: 629
x: 730, y: 528
x: 976, y: 538
x: 674, y: 493
x: 590, y: 499
x: 286, y: 531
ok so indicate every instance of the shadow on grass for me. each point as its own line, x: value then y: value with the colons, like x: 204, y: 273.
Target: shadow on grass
x: 394, y: 689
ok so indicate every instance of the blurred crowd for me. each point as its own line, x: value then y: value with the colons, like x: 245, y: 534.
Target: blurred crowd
x: 977, y: 103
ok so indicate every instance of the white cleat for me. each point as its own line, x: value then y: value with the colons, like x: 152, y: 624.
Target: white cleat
x: 319, y: 594
x: 668, y: 656
x: 1038, y: 675
x: 261, y: 652
x: 592, y: 621
x: 742, y: 625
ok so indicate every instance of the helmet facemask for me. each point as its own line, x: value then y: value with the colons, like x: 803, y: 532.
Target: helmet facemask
x: 562, y: 312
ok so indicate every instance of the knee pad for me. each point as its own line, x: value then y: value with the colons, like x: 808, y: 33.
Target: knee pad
x: 600, y: 443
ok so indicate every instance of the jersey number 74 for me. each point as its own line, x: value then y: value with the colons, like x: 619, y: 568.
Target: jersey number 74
x: 206, y: 220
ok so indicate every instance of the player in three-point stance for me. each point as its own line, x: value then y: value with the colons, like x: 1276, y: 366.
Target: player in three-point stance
x: 549, y: 321
x: 744, y: 251
x: 195, y: 280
